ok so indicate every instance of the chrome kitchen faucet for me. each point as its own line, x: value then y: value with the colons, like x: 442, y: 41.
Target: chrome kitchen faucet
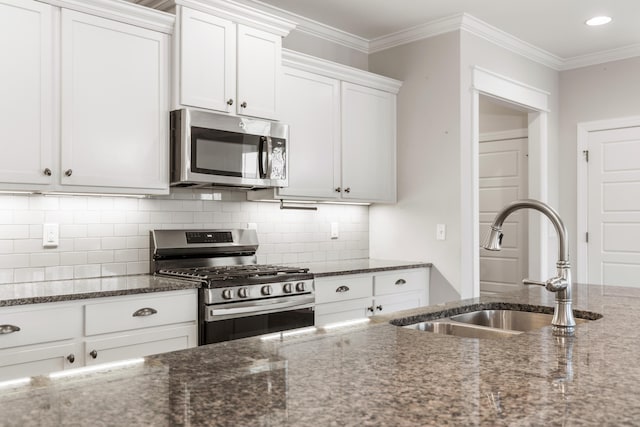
x: 563, y: 321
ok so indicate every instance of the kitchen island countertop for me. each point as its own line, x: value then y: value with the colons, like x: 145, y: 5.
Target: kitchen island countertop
x: 373, y: 374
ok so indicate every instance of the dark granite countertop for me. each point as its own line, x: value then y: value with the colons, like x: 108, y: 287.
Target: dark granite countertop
x: 355, y: 266
x: 67, y: 290
x: 374, y: 374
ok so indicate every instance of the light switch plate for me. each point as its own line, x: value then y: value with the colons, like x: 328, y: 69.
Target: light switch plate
x: 50, y: 235
x: 335, y: 230
x: 441, y: 232
x: 252, y: 226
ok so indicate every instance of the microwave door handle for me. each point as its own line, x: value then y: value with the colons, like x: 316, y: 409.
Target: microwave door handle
x: 269, y: 150
x: 261, y: 162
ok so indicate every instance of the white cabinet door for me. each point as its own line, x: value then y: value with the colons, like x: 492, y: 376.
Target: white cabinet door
x: 259, y: 72
x: 207, y: 61
x: 368, y: 144
x: 386, y: 304
x: 114, y: 104
x: 26, y: 87
x: 311, y: 108
x: 38, y: 360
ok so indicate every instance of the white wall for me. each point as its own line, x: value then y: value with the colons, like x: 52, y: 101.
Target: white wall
x: 428, y: 156
x: 305, y: 43
x: 107, y: 236
x: 496, y: 117
x: 598, y: 92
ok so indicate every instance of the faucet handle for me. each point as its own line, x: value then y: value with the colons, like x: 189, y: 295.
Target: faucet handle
x: 533, y: 282
x: 554, y: 284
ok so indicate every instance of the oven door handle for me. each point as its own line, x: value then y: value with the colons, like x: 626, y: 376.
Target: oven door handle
x: 259, y: 307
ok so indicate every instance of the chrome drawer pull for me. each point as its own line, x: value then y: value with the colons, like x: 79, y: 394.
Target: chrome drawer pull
x: 8, y: 329
x: 400, y: 282
x: 147, y: 311
x: 342, y: 289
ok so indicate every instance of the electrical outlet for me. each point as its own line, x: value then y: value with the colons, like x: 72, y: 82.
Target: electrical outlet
x: 252, y: 226
x: 441, y: 232
x: 335, y: 230
x: 50, y: 235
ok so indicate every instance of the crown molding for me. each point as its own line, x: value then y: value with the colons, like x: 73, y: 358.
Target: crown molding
x: 341, y: 72
x: 242, y: 14
x: 602, y: 57
x: 129, y: 13
x: 315, y: 28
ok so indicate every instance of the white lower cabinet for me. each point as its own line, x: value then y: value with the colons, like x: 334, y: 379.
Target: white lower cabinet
x: 353, y: 296
x: 42, y: 338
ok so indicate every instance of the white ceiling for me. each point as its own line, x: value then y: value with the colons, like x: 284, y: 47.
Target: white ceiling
x: 556, y: 26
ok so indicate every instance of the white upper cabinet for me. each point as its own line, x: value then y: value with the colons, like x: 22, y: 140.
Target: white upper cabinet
x: 229, y: 58
x: 368, y: 144
x: 259, y: 72
x: 114, y: 107
x: 85, y: 99
x: 207, y: 61
x: 342, y: 133
x: 26, y: 84
x: 311, y: 106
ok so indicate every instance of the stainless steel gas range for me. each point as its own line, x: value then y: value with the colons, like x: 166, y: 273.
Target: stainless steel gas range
x: 238, y: 298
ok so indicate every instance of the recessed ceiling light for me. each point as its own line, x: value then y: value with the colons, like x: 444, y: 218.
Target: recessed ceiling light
x: 598, y: 20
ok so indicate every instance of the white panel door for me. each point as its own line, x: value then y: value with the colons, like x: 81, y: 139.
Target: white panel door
x: 114, y: 104
x: 311, y: 108
x: 614, y: 207
x: 207, y: 61
x: 368, y: 144
x: 26, y: 86
x: 259, y: 72
x: 503, y: 179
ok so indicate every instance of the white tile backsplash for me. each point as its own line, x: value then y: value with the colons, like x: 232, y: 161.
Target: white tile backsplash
x: 108, y: 236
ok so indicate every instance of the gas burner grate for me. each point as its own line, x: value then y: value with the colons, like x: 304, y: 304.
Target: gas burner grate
x: 233, y: 272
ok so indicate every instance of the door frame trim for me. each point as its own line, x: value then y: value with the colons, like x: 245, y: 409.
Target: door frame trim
x: 582, y: 204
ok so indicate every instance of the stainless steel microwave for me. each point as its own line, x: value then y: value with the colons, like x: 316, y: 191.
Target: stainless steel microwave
x: 209, y: 149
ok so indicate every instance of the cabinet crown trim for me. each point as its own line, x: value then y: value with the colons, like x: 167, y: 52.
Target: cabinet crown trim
x: 121, y: 11
x: 241, y: 14
x: 342, y: 72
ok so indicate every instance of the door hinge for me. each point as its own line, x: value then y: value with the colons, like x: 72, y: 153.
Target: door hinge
x: 586, y: 237
x: 586, y: 155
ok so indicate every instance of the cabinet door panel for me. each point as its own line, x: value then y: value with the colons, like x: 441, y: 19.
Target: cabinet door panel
x: 259, y: 72
x: 311, y: 108
x: 114, y: 106
x: 26, y: 84
x: 39, y: 360
x: 207, y: 61
x: 404, y: 301
x: 343, y: 311
x: 368, y: 144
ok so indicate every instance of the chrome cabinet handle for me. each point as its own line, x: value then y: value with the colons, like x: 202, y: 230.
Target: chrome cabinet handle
x: 230, y: 101
x: 146, y: 311
x: 379, y: 307
x: 347, y: 190
x: 8, y: 329
x: 68, y: 172
x: 93, y: 354
x: 400, y: 282
x: 338, y: 189
x: 47, y: 172
x: 71, y: 358
x: 342, y: 289
x: 243, y: 105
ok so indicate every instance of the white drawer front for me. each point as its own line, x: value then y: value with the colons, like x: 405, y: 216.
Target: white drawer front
x: 140, y: 312
x: 400, y: 281
x: 37, y: 324
x: 342, y: 288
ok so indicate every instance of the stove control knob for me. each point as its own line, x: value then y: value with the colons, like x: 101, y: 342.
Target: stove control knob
x: 300, y: 287
x: 287, y: 288
x: 227, y: 294
x: 242, y: 293
x: 267, y: 290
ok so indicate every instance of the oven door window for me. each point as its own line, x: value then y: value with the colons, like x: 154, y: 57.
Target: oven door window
x: 249, y: 326
x: 218, y: 152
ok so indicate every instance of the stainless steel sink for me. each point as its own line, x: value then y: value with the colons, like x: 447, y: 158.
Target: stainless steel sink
x: 523, y: 321
x: 461, y: 330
